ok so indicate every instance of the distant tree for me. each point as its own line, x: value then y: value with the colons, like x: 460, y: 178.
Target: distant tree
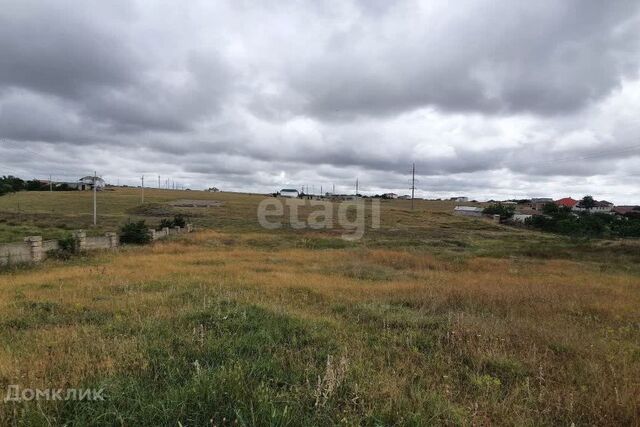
x: 5, y: 189
x: 11, y: 184
x: 550, y: 209
x: 587, y: 202
x: 62, y: 187
x: 558, y: 212
x: 35, y: 185
x: 505, y: 211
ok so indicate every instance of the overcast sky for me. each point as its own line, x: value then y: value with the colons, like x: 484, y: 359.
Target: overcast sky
x: 488, y: 98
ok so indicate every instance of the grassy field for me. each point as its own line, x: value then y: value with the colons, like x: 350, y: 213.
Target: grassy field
x: 431, y: 319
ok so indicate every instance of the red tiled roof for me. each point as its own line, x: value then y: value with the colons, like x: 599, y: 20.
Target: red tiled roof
x: 567, y: 201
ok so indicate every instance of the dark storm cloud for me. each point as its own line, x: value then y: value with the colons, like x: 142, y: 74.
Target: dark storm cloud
x: 496, y: 96
x: 56, y: 48
x: 499, y: 57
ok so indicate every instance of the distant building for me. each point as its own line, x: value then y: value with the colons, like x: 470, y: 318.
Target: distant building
x: 539, y: 202
x: 212, y: 190
x: 524, y: 214
x: 459, y: 199
x: 88, y: 182
x: 566, y: 202
x: 627, y: 211
x: 468, y: 211
x: 599, y: 207
x: 404, y: 197
x: 289, y: 192
x: 389, y: 196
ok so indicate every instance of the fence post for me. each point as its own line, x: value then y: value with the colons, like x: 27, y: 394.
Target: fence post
x: 177, y: 228
x: 165, y: 230
x: 81, y: 240
x: 35, y: 247
x: 113, y: 239
x: 189, y: 228
x: 153, y: 234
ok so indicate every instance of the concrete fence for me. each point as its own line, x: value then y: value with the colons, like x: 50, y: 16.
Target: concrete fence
x: 33, y: 249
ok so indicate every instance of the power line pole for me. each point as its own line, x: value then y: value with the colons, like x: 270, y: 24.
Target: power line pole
x: 356, y: 186
x: 413, y: 183
x: 142, y: 189
x: 158, y: 182
x: 50, y: 184
x: 95, y: 210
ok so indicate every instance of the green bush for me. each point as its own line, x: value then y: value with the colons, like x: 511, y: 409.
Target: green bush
x: 177, y: 221
x: 165, y: 222
x: 135, y: 232
x: 505, y: 211
x: 67, y: 247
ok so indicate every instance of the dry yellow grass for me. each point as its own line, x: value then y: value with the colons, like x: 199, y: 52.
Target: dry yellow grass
x: 428, y: 339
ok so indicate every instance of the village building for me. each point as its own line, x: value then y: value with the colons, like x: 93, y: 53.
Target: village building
x: 468, y: 211
x: 539, y: 202
x: 566, y: 202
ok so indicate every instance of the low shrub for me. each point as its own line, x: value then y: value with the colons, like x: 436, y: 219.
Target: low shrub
x: 177, y: 221
x: 67, y: 247
x: 135, y: 232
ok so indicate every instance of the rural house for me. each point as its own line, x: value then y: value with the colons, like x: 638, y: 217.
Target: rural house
x: 289, y: 192
x: 538, y: 203
x: 87, y: 183
x: 598, y: 207
x: 566, y: 202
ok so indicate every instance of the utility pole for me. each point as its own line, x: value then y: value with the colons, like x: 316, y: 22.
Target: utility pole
x: 334, y: 189
x: 158, y: 182
x: 142, y: 189
x: 95, y: 210
x: 356, y: 186
x: 413, y: 183
x: 50, y: 184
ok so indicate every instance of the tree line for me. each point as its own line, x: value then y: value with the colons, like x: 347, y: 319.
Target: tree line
x: 563, y: 220
x: 12, y: 184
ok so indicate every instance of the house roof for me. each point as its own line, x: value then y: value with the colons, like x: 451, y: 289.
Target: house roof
x: 567, y: 202
x: 541, y: 200
x: 528, y: 211
x: 623, y: 210
x: 91, y: 178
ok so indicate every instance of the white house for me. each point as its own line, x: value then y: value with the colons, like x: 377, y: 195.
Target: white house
x: 599, y: 207
x: 289, y: 192
x: 87, y: 183
x: 460, y: 199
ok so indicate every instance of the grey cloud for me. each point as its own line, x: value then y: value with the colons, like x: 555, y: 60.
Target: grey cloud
x: 497, y: 57
x: 57, y: 48
x: 484, y: 97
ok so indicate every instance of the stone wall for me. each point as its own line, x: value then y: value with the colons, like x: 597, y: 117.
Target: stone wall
x: 33, y: 249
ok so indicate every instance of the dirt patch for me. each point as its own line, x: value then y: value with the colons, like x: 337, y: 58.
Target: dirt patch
x: 184, y: 203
